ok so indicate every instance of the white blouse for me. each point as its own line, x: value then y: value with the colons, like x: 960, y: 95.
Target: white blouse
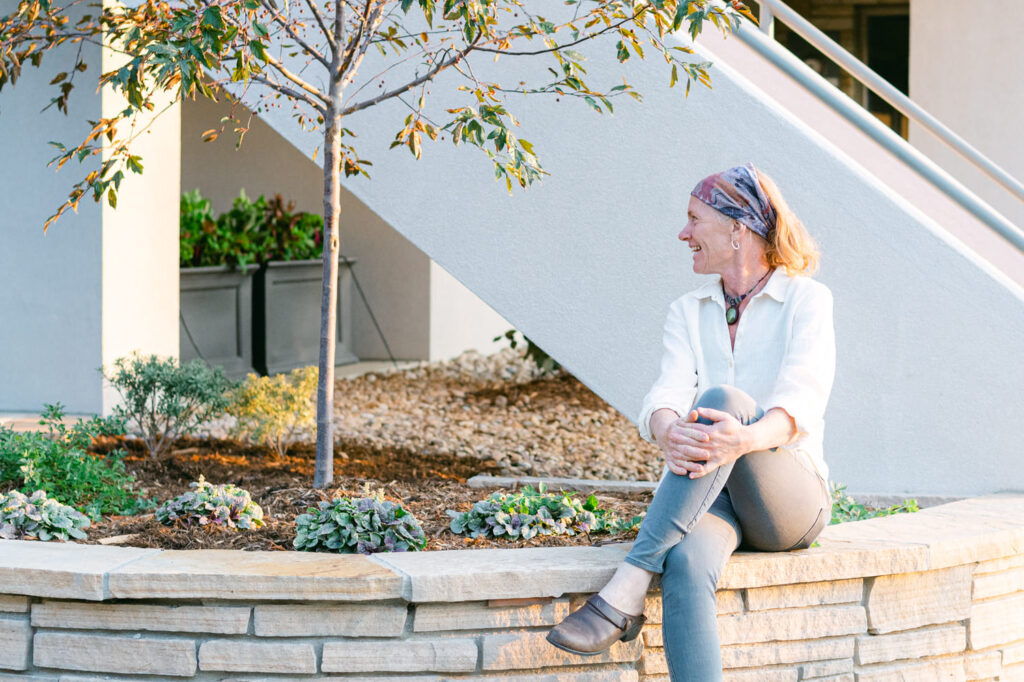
x: 784, y: 356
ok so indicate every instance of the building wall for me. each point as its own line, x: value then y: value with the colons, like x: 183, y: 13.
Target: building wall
x: 961, y: 70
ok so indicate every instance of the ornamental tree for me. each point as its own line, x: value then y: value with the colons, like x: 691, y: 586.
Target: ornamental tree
x: 308, y: 53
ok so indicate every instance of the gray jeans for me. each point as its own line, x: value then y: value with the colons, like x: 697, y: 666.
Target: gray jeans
x: 772, y: 500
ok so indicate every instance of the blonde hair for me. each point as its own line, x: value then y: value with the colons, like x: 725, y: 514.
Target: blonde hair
x: 789, y: 244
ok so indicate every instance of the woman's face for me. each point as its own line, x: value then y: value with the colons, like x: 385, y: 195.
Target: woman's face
x: 709, y: 236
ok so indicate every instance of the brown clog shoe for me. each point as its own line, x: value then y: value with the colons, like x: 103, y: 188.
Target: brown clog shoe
x: 595, y: 626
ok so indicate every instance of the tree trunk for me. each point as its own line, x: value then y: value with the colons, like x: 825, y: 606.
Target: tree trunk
x: 324, y: 473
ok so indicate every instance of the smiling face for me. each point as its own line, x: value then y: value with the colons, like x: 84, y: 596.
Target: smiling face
x: 708, y: 234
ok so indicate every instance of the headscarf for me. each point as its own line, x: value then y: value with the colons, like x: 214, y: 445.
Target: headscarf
x: 737, y: 194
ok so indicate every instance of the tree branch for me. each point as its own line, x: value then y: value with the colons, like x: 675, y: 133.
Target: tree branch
x: 283, y: 22
x: 323, y: 25
x: 585, y: 38
x: 289, y: 92
x: 413, y: 83
x: 294, y: 78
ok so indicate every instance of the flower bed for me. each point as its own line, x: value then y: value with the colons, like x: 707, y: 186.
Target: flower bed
x: 927, y: 596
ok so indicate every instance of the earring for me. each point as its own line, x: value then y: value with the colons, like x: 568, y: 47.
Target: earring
x: 735, y: 245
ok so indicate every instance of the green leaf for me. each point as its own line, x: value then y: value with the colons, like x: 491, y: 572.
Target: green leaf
x: 112, y: 198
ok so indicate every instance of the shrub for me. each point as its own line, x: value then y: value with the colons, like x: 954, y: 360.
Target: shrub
x: 544, y: 362
x: 367, y: 525
x: 528, y: 513
x: 38, y: 517
x: 275, y: 409
x: 290, y: 235
x: 164, y: 400
x: 57, y: 462
x: 225, y: 505
x: 844, y: 508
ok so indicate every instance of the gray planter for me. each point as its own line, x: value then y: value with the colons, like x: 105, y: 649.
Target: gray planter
x: 286, y: 315
x: 216, y: 317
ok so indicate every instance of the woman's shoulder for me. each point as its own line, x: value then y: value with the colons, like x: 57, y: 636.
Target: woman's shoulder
x: 803, y: 287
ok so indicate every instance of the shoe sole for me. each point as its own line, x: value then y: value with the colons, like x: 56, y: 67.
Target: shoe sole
x: 627, y: 636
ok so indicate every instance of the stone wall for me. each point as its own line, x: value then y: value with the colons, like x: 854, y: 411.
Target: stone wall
x: 937, y: 595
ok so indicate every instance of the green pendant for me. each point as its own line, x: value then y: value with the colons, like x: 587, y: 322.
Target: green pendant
x: 732, y: 314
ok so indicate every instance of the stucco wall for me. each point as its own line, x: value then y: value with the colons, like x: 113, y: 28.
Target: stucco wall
x: 962, y: 70
x: 587, y: 263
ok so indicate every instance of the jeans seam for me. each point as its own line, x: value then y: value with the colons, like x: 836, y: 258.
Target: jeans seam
x: 804, y: 536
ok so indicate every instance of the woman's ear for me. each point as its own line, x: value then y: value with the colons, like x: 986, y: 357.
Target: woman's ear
x: 737, y: 230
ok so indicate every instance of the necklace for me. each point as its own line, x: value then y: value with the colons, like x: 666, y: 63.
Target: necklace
x: 732, y: 309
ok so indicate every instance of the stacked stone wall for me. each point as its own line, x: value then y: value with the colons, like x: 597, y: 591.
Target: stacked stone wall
x: 938, y: 595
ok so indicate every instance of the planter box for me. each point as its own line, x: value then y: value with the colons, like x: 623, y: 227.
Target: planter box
x: 286, y: 315
x: 216, y: 317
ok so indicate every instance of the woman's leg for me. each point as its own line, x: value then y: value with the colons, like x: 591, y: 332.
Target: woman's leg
x: 688, y: 584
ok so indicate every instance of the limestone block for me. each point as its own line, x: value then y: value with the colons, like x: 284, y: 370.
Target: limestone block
x: 805, y: 594
x: 935, y: 670
x: 263, y: 657
x: 982, y: 665
x: 994, y: 622
x: 27, y: 678
x: 1013, y: 673
x: 653, y: 636
x: 612, y: 675
x: 774, y: 653
x: 410, y: 655
x: 1013, y: 654
x: 481, y: 616
x: 341, y: 678
x: 115, y: 653
x: 15, y: 638
x: 910, y: 600
x: 843, y: 677
x: 505, y: 573
x: 61, y: 569
x: 1006, y: 563
x: 790, y: 624
x: 931, y: 641
x: 726, y: 602
x: 519, y: 651
x: 653, y: 662
x: 13, y: 603
x: 66, y: 614
x: 997, y: 584
x: 318, y: 620
x: 760, y: 675
x: 819, y: 669
x: 230, y: 574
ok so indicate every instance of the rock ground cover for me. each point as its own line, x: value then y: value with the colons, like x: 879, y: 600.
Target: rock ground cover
x: 417, y: 434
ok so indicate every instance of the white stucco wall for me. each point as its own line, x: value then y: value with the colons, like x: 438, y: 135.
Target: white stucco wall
x: 964, y: 69
x: 587, y: 263
x: 458, y: 321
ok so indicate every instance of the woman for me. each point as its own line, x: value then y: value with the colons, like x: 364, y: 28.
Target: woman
x: 738, y: 413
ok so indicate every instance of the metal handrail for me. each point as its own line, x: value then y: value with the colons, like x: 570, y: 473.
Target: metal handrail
x: 872, y: 127
x: 885, y: 90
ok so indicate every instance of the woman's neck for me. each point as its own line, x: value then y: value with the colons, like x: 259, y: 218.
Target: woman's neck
x: 738, y: 279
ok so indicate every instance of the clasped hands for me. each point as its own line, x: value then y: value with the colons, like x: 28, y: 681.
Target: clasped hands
x: 694, y: 449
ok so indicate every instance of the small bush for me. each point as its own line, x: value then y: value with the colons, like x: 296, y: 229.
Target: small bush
x: 367, y: 525
x: 275, y: 410
x: 546, y: 364
x: 844, y: 508
x: 528, y: 513
x: 38, y: 517
x: 225, y: 505
x: 290, y: 235
x: 57, y: 461
x: 165, y: 401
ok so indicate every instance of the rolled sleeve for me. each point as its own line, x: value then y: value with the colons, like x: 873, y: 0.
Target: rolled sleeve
x: 808, y: 368
x: 676, y: 386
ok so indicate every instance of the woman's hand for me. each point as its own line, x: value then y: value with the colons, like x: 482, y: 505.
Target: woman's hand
x: 694, y: 449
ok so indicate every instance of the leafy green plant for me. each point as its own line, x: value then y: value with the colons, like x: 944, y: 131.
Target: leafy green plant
x: 366, y: 525
x: 165, y: 400
x: 224, y: 505
x: 545, y: 363
x: 38, y: 517
x: 275, y: 409
x: 291, y: 235
x: 845, y: 508
x: 528, y: 513
x: 57, y: 462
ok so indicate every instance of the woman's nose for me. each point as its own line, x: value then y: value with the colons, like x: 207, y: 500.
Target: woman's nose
x: 684, y: 234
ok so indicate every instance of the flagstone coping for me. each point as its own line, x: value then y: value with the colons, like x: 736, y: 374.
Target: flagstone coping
x: 976, y: 529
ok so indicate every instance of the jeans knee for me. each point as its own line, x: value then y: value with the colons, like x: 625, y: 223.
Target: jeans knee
x: 686, y: 567
x: 727, y: 398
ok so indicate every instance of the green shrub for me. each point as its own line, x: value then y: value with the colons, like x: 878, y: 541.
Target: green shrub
x: 225, y: 505
x: 528, y: 513
x: 844, y: 508
x: 367, y: 525
x: 37, y: 517
x: 56, y: 461
x: 275, y: 409
x: 545, y: 363
x: 290, y: 235
x: 165, y: 400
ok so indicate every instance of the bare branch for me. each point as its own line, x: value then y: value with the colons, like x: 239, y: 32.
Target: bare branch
x: 585, y: 38
x: 283, y: 22
x: 290, y: 92
x: 413, y: 83
x: 296, y: 79
x: 323, y: 25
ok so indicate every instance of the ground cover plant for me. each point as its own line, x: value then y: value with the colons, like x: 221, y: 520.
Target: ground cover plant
x: 58, y: 461
x: 38, y: 517
x: 224, y: 506
x: 845, y: 508
x: 366, y: 525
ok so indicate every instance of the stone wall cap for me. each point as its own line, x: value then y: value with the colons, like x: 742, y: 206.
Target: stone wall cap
x: 67, y: 569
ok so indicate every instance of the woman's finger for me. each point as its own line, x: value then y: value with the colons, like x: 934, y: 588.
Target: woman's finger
x: 714, y: 415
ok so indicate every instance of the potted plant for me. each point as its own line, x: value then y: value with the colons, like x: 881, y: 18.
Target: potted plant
x: 217, y: 266
x: 286, y: 315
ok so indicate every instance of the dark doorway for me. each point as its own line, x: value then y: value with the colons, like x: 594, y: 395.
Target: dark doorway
x: 886, y: 41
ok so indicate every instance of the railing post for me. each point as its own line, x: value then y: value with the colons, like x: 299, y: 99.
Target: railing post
x: 766, y: 20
